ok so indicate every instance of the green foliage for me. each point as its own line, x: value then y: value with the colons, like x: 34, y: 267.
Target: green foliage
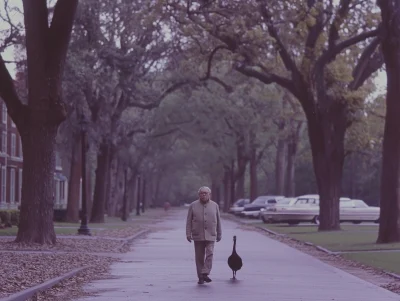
x: 9, y: 217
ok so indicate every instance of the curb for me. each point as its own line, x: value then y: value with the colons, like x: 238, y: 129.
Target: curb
x: 397, y: 276
x: 270, y: 231
x: 324, y: 250
x: 129, y: 239
x: 27, y: 293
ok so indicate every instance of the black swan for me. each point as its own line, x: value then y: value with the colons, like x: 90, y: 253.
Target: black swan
x: 234, y: 261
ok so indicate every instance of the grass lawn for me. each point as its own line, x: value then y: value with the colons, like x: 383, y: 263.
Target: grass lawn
x: 389, y: 261
x: 351, y: 238
x: 59, y: 231
x: 111, y: 223
x: 92, y: 226
x: 117, y: 223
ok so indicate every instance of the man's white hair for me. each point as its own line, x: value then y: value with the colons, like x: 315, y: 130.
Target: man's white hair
x: 205, y: 189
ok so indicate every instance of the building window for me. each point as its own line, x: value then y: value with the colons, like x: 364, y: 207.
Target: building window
x: 3, y: 183
x: 57, y: 196
x: 12, y: 185
x: 13, y: 145
x: 4, y: 114
x: 20, y: 184
x: 4, y: 142
x: 61, y: 190
x: 20, y: 154
x: 58, y: 160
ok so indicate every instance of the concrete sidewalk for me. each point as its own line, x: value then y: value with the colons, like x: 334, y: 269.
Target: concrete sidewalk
x: 161, y: 267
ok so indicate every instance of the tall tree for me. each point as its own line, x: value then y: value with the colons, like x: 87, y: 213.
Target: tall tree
x: 389, y: 230
x: 324, y: 58
x: 39, y: 119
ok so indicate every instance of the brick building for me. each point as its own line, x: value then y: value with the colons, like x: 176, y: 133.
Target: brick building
x: 11, y: 166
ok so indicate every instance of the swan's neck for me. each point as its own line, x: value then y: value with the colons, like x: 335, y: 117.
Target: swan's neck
x: 234, y: 246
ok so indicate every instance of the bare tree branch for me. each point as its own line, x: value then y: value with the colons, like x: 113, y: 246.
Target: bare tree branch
x: 330, y: 54
x: 370, y: 61
x: 9, y: 94
x: 208, y: 76
x: 343, y: 10
x: 60, y: 32
x: 283, y: 52
x: 153, y: 105
x: 267, y: 78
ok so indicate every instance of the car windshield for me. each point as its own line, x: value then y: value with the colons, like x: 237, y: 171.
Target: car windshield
x: 242, y: 202
x: 346, y: 203
x: 284, y: 201
x: 259, y: 201
x: 360, y: 204
x: 239, y: 202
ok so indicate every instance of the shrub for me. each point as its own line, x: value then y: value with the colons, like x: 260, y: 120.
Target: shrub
x: 9, y: 217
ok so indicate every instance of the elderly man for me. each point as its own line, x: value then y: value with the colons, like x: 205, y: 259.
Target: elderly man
x: 203, y: 225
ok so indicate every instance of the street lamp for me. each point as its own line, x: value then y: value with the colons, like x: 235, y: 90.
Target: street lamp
x: 84, y: 229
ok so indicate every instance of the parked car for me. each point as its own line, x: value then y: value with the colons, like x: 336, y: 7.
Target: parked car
x: 306, y: 209
x: 262, y: 202
x: 299, y: 209
x: 285, y: 202
x: 238, y: 206
x: 357, y: 211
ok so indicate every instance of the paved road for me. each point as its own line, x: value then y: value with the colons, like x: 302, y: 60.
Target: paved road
x: 161, y: 268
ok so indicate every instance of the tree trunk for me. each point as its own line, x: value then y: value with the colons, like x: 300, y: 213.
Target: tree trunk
x: 232, y: 198
x: 280, y: 163
x: 36, y: 216
x: 132, y: 189
x: 139, y: 194
x: 39, y: 120
x: 253, y: 176
x: 124, y: 215
x: 144, y: 194
x: 213, y: 188
x: 107, y: 184
x: 99, y: 198
x: 326, y: 133
x: 240, y: 176
x: 218, y: 194
x: 389, y: 230
x: 297, y: 128
x: 352, y: 176
x: 157, y: 190
x: 290, y: 169
x: 114, y: 199
x: 74, y: 182
x: 89, y: 197
x: 226, y: 189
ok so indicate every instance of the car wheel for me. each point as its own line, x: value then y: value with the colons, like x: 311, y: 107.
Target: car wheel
x: 264, y: 220
x: 316, y: 220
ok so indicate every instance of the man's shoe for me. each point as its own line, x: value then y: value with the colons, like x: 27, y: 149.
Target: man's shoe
x: 206, y: 278
x: 201, y: 281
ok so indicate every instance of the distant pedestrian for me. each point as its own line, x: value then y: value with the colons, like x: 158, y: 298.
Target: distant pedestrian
x: 203, y: 225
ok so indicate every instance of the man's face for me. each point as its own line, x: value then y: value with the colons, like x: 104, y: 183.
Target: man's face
x: 204, y: 196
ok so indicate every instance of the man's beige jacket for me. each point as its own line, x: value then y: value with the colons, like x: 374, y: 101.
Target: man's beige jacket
x: 203, y: 221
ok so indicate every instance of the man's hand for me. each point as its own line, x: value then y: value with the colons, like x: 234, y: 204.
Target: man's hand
x: 189, y: 239
x: 218, y: 239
